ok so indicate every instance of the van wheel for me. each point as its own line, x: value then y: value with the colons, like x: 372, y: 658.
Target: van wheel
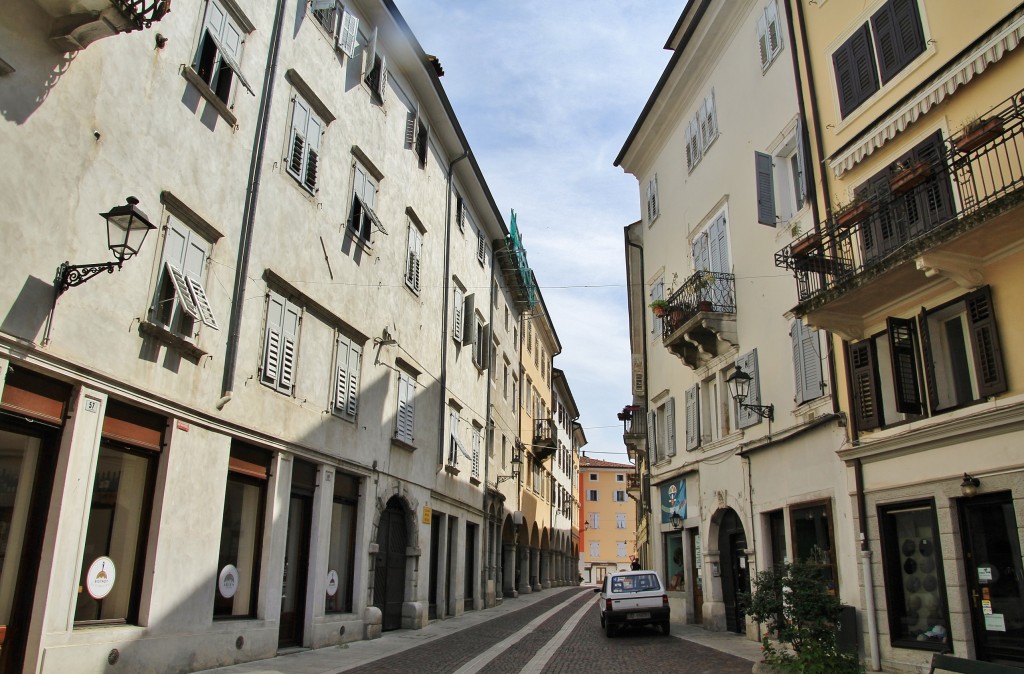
x: 666, y: 628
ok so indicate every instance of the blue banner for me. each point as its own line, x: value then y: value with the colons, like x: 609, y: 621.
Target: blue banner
x: 673, y: 500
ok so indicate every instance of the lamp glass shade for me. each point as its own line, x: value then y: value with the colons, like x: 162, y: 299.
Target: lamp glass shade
x: 677, y: 521
x: 127, y: 227
x: 739, y: 384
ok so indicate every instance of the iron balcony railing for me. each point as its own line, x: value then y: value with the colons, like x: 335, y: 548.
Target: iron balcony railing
x: 702, y: 292
x: 634, y: 423
x: 545, y: 438
x: 915, y: 208
x: 142, y: 13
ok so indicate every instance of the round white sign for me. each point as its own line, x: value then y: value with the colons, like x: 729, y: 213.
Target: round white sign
x: 99, y: 580
x: 227, y: 581
x: 332, y: 583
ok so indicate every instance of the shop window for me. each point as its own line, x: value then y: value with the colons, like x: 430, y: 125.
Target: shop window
x: 341, y: 556
x: 914, y: 580
x: 812, y: 540
x: 674, y: 561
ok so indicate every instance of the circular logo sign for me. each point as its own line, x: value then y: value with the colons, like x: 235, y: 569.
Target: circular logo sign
x: 99, y: 580
x: 227, y: 581
x: 332, y: 583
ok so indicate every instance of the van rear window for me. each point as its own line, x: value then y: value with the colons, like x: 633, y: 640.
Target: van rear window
x: 641, y: 583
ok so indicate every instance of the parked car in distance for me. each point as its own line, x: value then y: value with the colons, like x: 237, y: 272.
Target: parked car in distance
x: 629, y: 598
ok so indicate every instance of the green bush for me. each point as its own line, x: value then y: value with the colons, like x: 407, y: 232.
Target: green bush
x: 793, y: 602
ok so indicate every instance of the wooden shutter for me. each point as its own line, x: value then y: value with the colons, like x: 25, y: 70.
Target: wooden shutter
x: 314, y: 130
x: 457, y: 323
x: 481, y: 246
x: 469, y: 320
x: 985, y: 347
x: 864, y: 381
x: 899, y: 37
x: 855, y: 72
x: 670, y: 427
x: 652, y: 199
x: 181, y: 290
x: 690, y: 401
x: 765, y: 189
x: 638, y: 374
x: 406, y: 407
x: 347, y: 34
x: 903, y: 354
x: 652, y: 436
x: 701, y: 256
x: 289, y: 347
x: 762, y: 40
x: 931, y: 385
x: 202, y: 302
x: 806, y: 362
x: 272, y: 343
x: 802, y: 180
x: 412, y: 272
x: 382, y: 78
x: 422, y: 138
x: 693, y: 145
x: 708, y: 121
x: 718, y: 246
x: 748, y: 417
x: 296, y: 159
x: 346, y: 399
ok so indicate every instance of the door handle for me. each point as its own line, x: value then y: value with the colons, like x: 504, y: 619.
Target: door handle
x: 974, y: 598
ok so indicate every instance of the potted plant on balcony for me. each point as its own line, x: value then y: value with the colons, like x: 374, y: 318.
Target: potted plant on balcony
x: 659, y: 307
x: 803, y: 247
x: 679, y: 314
x: 850, y: 214
x: 699, y: 284
x: 976, y: 132
x: 908, y: 175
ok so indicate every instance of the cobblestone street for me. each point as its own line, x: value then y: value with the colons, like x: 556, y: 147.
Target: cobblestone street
x: 557, y: 631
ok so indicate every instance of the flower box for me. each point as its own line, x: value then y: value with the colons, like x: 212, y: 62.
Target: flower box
x: 976, y: 135
x: 805, y: 246
x: 909, y: 177
x: 850, y: 215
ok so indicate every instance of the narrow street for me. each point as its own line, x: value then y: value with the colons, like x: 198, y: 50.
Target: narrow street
x: 554, y: 631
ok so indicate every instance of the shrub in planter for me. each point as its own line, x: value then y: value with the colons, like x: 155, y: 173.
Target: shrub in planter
x: 793, y: 602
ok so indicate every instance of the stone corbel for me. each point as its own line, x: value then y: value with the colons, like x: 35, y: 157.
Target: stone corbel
x: 960, y: 269
x: 847, y: 326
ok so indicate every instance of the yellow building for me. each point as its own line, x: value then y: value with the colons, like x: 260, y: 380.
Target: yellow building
x: 914, y: 267
x: 608, y: 542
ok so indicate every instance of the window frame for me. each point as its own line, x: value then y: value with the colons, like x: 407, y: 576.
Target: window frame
x: 305, y: 137
x: 768, y: 19
x: 181, y: 285
x: 347, y: 374
x: 405, y: 414
x: 414, y: 257
x: 278, y: 371
x: 217, y: 49
x: 363, y: 219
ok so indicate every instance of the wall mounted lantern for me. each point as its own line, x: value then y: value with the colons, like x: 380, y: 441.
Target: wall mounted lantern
x: 517, y: 460
x: 969, y: 487
x: 127, y: 227
x: 677, y: 521
x: 739, y: 386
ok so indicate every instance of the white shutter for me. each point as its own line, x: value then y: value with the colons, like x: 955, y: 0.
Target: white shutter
x: 382, y: 80
x: 701, y: 255
x: 182, y: 291
x: 718, y: 245
x: 314, y: 131
x: 481, y: 246
x: 709, y: 121
x: 289, y: 348
x: 806, y: 362
x: 690, y: 402
x: 412, y: 268
x: 657, y: 293
x: 272, y: 344
x: 652, y: 436
x: 801, y: 162
x: 457, y: 322
x: 638, y: 374
x: 411, y: 124
x: 670, y: 427
x: 202, y: 302
x: 469, y: 320
x: 652, y: 199
x: 348, y: 33
x: 370, y: 54
x: 296, y: 159
x: 346, y: 395
x: 748, y: 417
x: 476, y: 452
x: 762, y: 40
x: 773, y: 33
x: 321, y: 5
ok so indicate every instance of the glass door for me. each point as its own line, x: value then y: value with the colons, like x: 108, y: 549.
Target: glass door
x: 992, y: 557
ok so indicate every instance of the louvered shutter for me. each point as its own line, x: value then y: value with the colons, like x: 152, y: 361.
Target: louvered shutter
x: 481, y: 246
x: 903, y: 356
x: 382, y: 78
x: 657, y: 293
x: 774, y: 33
x: 806, y: 362
x: 638, y: 374
x: 762, y: 40
x: 718, y: 246
x: 272, y: 344
x: 693, y: 143
x: 866, y: 398
x: 899, y: 37
x: 476, y: 452
x: 348, y: 33
x: 289, y: 348
x: 765, y: 189
x: 935, y: 201
x: 411, y: 123
x: 422, y: 138
x: 856, y: 75
x: 931, y: 386
x: 460, y: 211
x: 985, y: 347
x: 469, y: 320
x: 652, y: 199
x: 802, y: 179
x: 182, y: 291
x: 701, y: 254
x: 296, y: 159
x: 412, y: 274
x: 370, y: 54
x: 457, y: 309
x: 314, y: 130
x: 747, y: 417
x: 202, y: 302
x: 406, y: 407
x: 652, y: 436
x: 690, y: 402
x: 670, y: 427
x: 346, y: 400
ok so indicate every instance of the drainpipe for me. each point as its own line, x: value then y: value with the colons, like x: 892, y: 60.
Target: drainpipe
x: 249, y: 214
x: 446, y: 286
x: 865, y: 558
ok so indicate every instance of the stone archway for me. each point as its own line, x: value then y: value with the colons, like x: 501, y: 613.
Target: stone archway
x: 732, y: 576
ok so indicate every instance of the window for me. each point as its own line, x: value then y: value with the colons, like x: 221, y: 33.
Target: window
x: 620, y: 496
x: 806, y: 362
x: 454, y: 443
x: 340, y: 25
x: 652, y: 199
x: 769, y: 37
x: 180, y: 296
x: 592, y: 496
x: 405, y: 416
x: 481, y: 247
x: 280, y: 347
x: 619, y: 477
x: 304, y: 146
x: 363, y: 218
x: 947, y: 358
x: 674, y: 566
x: 480, y: 342
x: 781, y: 180
x: 375, y: 68
x: 119, y: 517
x: 595, y: 549
x: 777, y: 536
x: 877, y: 52
x: 220, y: 52
x: 348, y: 360
x: 711, y: 247
x: 657, y: 293
x: 620, y: 520
x: 593, y: 477
x: 620, y: 548
x: 662, y: 430
x: 241, y: 532
x: 701, y: 131
x: 342, y: 552
x: 414, y: 257
x: 595, y: 519
x: 812, y: 540
x: 477, y: 439
x: 504, y: 378
x: 914, y: 579
x: 460, y: 211
x: 416, y: 136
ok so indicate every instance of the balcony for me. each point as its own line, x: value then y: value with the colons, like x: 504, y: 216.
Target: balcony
x: 634, y: 429
x: 545, y: 438
x: 79, y: 23
x: 922, y: 221
x: 700, y: 322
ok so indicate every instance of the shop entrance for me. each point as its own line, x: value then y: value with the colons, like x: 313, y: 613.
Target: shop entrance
x: 389, y: 569
x: 992, y: 557
x: 296, y: 556
x: 732, y: 542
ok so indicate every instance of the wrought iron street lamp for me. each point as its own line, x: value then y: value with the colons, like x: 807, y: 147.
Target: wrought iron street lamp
x: 739, y: 386
x: 677, y: 520
x: 517, y: 451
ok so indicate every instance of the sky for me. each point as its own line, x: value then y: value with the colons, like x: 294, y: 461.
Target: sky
x: 546, y: 92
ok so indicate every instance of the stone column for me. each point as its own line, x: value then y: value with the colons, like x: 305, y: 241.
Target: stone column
x: 508, y: 571
x: 523, y: 570
x: 535, y: 569
x: 545, y: 569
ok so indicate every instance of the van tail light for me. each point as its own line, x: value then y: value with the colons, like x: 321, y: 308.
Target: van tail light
x: 607, y: 604
x: 664, y: 600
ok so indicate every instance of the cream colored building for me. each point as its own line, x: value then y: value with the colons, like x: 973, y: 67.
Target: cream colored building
x: 720, y: 155
x: 918, y: 286
x: 274, y: 427
x: 608, y: 540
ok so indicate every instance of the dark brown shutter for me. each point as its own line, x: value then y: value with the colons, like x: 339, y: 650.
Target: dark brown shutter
x: 988, y: 356
x: 864, y: 382
x: 929, y: 363
x: 134, y: 426
x: 33, y: 395
x: 904, y: 365
x: 855, y: 72
x: 899, y: 38
x: 249, y: 460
